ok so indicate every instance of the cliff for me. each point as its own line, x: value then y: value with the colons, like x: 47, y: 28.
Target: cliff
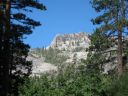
x: 70, y: 41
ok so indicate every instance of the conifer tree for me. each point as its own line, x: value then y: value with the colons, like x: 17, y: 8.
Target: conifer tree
x: 113, y: 21
x: 13, y: 52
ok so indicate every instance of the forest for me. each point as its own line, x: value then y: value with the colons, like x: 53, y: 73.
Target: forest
x: 109, y: 45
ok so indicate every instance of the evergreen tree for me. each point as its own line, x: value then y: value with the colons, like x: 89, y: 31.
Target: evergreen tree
x: 104, y: 39
x: 13, y: 52
x: 113, y: 21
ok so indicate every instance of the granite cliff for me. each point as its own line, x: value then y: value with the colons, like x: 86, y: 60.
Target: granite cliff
x: 70, y: 41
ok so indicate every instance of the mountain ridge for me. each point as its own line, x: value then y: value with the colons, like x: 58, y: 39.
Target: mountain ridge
x: 70, y: 41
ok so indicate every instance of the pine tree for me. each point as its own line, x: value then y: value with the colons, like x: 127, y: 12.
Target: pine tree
x: 13, y: 52
x: 113, y: 21
x: 95, y: 61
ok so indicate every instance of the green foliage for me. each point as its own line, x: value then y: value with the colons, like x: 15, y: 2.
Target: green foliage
x: 99, y: 41
x: 119, y: 86
x: 97, y: 81
x: 69, y: 81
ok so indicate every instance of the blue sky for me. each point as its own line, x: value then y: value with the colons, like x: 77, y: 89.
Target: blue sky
x: 61, y: 17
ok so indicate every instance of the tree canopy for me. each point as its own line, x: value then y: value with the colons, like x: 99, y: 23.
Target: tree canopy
x: 14, y: 25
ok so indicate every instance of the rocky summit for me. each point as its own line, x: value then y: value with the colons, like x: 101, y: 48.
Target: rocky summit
x: 70, y: 41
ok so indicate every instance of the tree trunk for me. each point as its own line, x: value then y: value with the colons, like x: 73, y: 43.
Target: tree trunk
x: 119, y: 53
x: 6, y: 51
x: 120, y: 43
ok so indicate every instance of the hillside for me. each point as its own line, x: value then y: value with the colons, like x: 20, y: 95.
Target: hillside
x: 64, y: 49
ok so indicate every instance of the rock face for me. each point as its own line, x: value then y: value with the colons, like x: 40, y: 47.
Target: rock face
x: 39, y: 66
x: 70, y: 41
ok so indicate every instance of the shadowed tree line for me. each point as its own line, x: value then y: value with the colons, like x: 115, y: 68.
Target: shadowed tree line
x: 14, y: 24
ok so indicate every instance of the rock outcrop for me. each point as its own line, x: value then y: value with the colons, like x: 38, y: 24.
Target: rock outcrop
x: 39, y: 66
x: 70, y: 41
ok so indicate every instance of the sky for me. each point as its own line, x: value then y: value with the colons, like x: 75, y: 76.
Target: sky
x: 61, y: 17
